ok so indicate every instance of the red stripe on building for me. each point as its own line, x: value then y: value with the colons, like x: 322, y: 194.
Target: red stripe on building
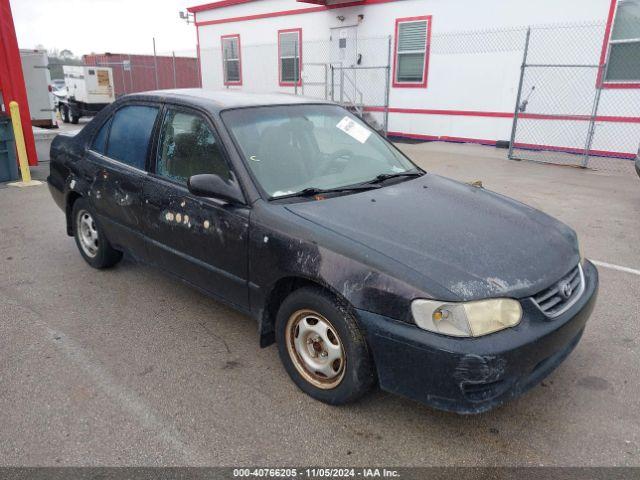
x: 579, y: 151
x: 526, y: 146
x: 283, y: 13
x: 529, y: 116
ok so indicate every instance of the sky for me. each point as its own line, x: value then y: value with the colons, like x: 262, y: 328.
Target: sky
x: 98, y: 26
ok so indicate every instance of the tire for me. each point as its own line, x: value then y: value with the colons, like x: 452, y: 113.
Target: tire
x: 90, y: 239
x: 64, y: 113
x: 74, y: 119
x: 346, y: 378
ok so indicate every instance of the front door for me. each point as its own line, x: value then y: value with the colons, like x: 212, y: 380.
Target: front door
x: 117, y: 170
x: 202, y: 240
x: 344, y: 56
x: 344, y: 46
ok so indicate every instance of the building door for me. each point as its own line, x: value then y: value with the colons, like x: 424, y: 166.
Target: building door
x: 344, y: 46
x: 344, y: 57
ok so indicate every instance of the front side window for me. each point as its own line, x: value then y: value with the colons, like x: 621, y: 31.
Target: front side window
x: 131, y: 130
x: 231, y: 60
x: 293, y: 147
x: 188, y: 147
x: 624, y: 46
x: 411, y: 51
x: 289, y: 56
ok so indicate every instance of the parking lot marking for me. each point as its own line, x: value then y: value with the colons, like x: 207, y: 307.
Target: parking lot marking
x: 616, y: 267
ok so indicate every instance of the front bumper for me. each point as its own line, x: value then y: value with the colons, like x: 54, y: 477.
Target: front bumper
x: 473, y: 375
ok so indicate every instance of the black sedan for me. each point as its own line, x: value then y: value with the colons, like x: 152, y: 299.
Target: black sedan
x: 362, y: 267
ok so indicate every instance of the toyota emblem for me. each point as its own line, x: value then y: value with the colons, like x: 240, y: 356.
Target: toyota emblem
x: 565, y: 289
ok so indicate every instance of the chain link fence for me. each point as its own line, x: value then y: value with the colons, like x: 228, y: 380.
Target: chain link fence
x: 562, y: 114
x: 565, y: 114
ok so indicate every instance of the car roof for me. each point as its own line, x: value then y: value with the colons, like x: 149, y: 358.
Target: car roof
x: 217, y: 100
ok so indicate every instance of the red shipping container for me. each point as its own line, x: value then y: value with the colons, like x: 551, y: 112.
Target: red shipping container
x: 137, y: 73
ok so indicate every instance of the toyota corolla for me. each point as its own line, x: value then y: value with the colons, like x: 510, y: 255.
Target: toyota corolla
x: 362, y: 267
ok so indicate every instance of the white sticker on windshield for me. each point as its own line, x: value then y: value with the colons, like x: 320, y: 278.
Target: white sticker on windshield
x: 354, y: 130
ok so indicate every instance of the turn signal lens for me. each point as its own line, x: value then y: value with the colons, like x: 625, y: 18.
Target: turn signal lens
x: 468, y: 319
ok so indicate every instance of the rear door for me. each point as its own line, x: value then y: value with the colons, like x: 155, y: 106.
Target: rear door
x: 118, y: 156
x: 202, y: 240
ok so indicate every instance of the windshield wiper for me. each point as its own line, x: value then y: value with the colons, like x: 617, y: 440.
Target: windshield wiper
x: 311, y: 191
x: 386, y: 176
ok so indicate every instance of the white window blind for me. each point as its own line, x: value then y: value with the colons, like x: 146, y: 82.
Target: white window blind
x: 624, y: 47
x: 289, y: 48
x: 231, y: 59
x: 411, y: 51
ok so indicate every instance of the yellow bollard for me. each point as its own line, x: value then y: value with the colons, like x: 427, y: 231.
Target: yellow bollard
x: 21, y: 148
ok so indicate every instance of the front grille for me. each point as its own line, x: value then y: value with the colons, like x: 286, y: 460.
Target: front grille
x: 558, y: 298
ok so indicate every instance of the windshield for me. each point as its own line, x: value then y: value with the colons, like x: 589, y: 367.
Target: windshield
x: 296, y: 147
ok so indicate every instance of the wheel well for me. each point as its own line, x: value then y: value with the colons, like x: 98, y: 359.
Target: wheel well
x: 71, y: 199
x: 281, y: 290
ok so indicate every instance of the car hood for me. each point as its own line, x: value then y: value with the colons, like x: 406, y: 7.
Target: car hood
x: 472, y: 242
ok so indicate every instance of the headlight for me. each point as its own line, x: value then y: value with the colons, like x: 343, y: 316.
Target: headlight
x: 468, y: 319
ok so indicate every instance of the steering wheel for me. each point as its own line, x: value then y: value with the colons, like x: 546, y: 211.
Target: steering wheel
x: 336, y: 161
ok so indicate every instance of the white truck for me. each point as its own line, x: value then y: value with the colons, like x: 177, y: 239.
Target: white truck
x: 37, y: 79
x: 88, y: 90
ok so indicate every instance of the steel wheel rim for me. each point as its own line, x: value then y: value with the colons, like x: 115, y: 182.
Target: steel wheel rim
x: 315, y: 349
x: 87, y: 233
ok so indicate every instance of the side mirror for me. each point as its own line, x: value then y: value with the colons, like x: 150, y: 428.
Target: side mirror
x: 213, y: 186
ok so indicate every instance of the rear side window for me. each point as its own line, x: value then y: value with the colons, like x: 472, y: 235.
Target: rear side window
x: 100, y: 140
x: 131, y: 130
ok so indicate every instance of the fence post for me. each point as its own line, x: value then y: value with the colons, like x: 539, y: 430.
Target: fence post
x: 523, y: 69
x: 155, y: 62
x: 387, y: 89
x: 333, y: 82
x: 175, y: 78
x: 326, y: 82
x: 124, y: 85
x: 130, y: 74
x: 592, y: 126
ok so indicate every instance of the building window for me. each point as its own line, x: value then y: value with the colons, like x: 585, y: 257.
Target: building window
x: 623, y: 64
x: 289, y: 56
x: 411, y: 55
x: 231, y: 59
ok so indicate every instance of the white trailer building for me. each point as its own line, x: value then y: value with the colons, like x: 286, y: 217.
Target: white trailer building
x: 446, y: 69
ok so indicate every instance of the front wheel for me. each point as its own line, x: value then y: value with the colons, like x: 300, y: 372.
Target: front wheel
x: 92, y: 243
x: 322, y: 348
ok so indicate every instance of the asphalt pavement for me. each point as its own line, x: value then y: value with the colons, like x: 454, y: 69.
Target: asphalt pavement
x: 131, y: 367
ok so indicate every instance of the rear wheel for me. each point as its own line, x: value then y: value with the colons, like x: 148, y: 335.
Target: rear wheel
x: 93, y: 245
x: 322, y: 348
x: 64, y: 113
